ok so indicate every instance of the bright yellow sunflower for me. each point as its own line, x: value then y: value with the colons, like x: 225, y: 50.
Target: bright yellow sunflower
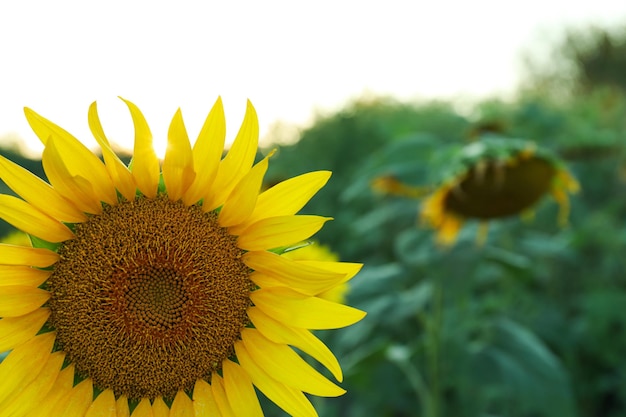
x: 161, y: 290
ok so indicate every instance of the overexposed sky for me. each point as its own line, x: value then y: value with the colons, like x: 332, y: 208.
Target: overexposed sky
x: 288, y: 57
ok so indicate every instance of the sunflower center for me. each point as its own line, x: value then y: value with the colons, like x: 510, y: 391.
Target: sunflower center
x: 150, y: 296
x: 155, y: 297
x: 500, y: 190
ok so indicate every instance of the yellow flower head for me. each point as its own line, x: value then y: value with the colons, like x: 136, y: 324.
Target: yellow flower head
x: 495, y: 178
x: 161, y: 288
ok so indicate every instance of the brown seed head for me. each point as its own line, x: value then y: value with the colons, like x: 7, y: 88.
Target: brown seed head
x: 150, y: 296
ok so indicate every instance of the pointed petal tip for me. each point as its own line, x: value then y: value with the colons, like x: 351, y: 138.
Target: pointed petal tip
x: 250, y: 108
x: 127, y: 102
x: 28, y: 112
x: 219, y: 104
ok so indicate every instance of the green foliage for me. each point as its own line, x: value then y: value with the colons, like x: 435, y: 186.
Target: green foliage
x: 355, y: 136
x: 529, y: 324
x: 582, y: 61
x: 599, y: 56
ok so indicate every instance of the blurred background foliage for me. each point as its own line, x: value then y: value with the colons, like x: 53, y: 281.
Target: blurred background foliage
x: 531, y: 323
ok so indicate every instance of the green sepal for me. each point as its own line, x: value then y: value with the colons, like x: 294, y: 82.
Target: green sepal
x: 44, y: 244
x: 285, y: 249
x: 457, y: 160
x: 161, y: 188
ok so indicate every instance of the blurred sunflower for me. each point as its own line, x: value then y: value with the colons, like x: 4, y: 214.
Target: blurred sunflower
x: 153, y: 290
x: 495, y: 178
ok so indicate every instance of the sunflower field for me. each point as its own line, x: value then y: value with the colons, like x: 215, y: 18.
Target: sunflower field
x: 492, y: 239
x: 526, y: 322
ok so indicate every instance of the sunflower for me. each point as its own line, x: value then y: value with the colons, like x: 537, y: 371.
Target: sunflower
x: 495, y: 178
x: 155, y: 290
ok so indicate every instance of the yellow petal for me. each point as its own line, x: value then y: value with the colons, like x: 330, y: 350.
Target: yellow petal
x: 307, y: 279
x: 17, y: 300
x: 280, y: 231
x: 22, y: 255
x: 336, y: 294
x: 75, y: 402
x: 350, y: 269
x: 182, y: 406
x: 203, y: 402
x: 266, y: 281
x: 288, y: 398
x: 103, y: 406
x: 284, y: 365
x: 178, y: 167
x: 23, y: 364
x: 145, y: 164
x: 79, y: 160
x: 121, y: 407
x: 237, y: 162
x: 241, y: 201
x: 74, y: 187
x: 239, y: 390
x: 297, y: 310
x: 207, y: 152
x: 62, y: 385
x: 43, y: 127
x: 30, y: 396
x: 25, y: 217
x: 159, y: 408
x: 286, y: 198
x: 449, y: 230
x: 38, y: 192
x: 22, y: 275
x: 121, y: 176
x: 143, y: 409
x: 17, y: 330
x: 219, y: 394
x: 301, y: 338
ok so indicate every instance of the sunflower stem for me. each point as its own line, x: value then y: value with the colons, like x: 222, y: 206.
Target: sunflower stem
x: 416, y: 381
x: 434, y: 348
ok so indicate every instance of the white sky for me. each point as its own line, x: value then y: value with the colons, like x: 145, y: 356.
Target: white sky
x: 288, y: 57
